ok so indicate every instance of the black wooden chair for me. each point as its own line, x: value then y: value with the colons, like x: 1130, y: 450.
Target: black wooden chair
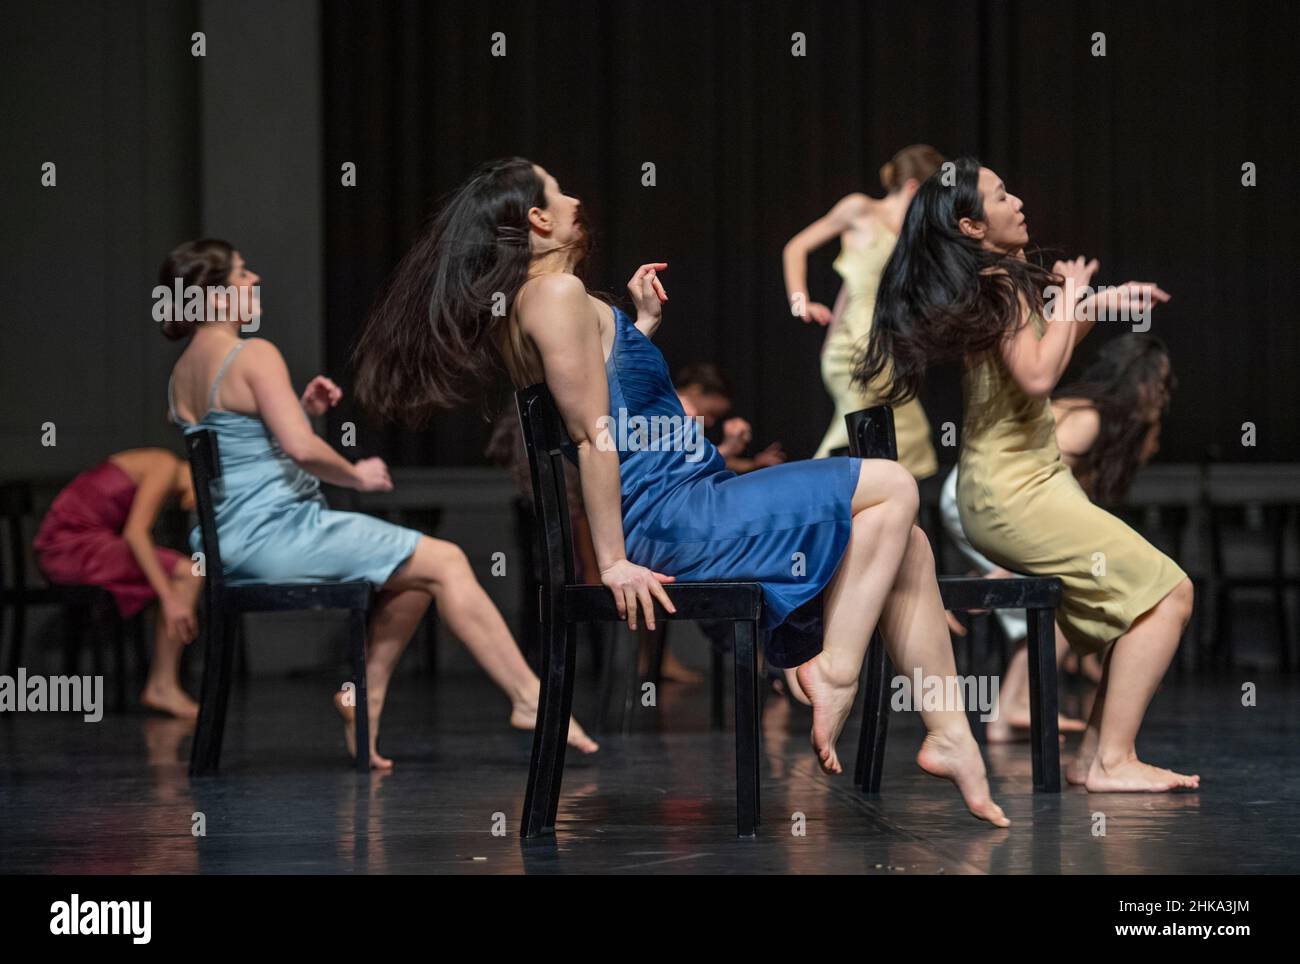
x: 87, y: 611
x: 223, y: 605
x: 564, y: 603
x: 871, y: 435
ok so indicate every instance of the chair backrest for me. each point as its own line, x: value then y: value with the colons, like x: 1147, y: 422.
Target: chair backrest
x: 544, y: 432
x: 871, y: 433
x: 205, y: 463
x: 15, y: 506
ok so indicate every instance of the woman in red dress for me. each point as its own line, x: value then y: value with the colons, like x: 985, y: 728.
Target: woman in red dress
x: 98, y: 532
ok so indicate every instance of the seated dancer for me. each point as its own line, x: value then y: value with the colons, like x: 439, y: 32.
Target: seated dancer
x: 1107, y: 426
x: 867, y: 229
x: 272, y: 520
x: 959, y: 287
x: 99, y: 532
x: 832, y: 537
x: 705, y: 391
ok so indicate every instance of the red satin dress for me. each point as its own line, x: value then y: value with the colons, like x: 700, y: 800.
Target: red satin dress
x: 80, y: 539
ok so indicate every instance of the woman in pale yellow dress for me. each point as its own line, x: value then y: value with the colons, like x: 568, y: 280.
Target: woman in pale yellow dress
x: 959, y: 287
x: 867, y: 228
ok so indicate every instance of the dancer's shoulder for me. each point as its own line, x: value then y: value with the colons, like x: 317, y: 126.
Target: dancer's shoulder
x: 553, y: 298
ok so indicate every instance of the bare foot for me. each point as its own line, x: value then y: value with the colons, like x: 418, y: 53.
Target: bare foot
x: 1076, y: 772
x: 792, y: 684
x: 170, y: 699
x: 832, y: 701
x: 524, y: 717
x: 1134, y: 776
x: 1013, y: 726
x: 349, y: 715
x: 959, y: 760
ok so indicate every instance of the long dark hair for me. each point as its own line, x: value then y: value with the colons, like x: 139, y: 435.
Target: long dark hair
x: 1130, y: 385
x: 439, y: 329
x: 942, y: 295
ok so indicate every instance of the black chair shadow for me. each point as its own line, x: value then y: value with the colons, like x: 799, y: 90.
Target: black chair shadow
x: 871, y: 435
x: 224, y: 604
x: 89, y: 613
x: 563, y: 604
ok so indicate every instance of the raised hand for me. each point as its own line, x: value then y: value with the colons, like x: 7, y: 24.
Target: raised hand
x: 736, y: 436
x: 372, y: 476
x: 774, y: 454
x: 1131, y: 299
x: 1075, y: 276
x: 320, y: 396
x: 648, y: 293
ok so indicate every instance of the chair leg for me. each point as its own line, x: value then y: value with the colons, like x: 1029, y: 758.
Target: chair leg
x: 217, y: 666
x: 655, y: 657
x: 554, y: 706
x: 361, y: 716
x: 875, y: 718
x: 74, y: 631
x: 141, y: 650
x: 747, y: 737
x: 1043, y: 704
x: 717, y: 686
x: 20, y: 630
x: 117, y: 632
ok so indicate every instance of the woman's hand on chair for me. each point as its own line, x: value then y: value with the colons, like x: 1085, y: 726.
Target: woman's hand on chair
x: 632, y: 585
x: 372, y: 476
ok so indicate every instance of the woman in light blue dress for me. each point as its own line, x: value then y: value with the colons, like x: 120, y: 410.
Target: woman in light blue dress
x: 273, y: 522
x: 831, y: 542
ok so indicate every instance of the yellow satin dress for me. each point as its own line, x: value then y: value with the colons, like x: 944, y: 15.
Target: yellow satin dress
x: 1021, y: 506
x: 861, y: 269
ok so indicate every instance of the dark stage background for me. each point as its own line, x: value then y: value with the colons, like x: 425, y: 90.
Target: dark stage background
x: 1135, y: 158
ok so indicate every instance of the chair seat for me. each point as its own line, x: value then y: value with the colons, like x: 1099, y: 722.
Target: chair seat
x: 694, y: 600
x: 973, y: 592
x: 287, y: 597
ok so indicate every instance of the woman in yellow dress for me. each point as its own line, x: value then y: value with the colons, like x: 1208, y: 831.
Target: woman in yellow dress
x: 959, y: 286
x: 867, y: 228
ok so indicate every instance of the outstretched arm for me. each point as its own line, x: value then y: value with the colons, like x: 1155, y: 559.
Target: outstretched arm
x: 283, y: 413
x: 150, y: 496
x: 794, y: 257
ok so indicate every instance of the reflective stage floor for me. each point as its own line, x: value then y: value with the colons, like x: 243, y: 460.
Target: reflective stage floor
x: 114, y: 796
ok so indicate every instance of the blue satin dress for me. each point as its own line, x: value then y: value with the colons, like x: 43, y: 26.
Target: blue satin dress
x: 273, y: 523
x: 685, y: 514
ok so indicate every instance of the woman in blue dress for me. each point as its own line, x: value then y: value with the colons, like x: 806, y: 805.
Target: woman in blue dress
x: 273, y: 522
x: 832, y: 542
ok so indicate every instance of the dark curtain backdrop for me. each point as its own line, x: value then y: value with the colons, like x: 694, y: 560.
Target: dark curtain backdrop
x: 1134, y: 158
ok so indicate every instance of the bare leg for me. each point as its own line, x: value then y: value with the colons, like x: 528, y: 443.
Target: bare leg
x: 440, y: 569
x: 887, y: 575
x: 392, y: 622
x: 915, y: 629
x: 1012, y: 721
x: 884, y: 505
x: 1132, y: 672
x: 162, y: 690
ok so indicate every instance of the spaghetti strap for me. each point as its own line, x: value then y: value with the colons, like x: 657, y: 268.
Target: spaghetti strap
x: 221, y: 373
